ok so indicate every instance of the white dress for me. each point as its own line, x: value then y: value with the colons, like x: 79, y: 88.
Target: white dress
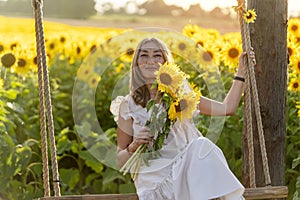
x: 190, y: 167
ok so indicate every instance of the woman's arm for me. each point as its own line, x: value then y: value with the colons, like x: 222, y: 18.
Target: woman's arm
x: 124, y: 138
x: 229, y: 105
x: 127, y: 144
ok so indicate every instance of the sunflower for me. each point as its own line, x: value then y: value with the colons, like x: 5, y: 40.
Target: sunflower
x: 1, y: 83
x: 293, y: 48
x: 52, y: 46
x: 127, y: 52
x: 296, y: 64
x: 189, y: 30
x: 250, y: 16
x: 169, y: 78
x: 294, y: 85
x: 23, y: 65
x: 196, y: 90
x: 1, y: 48
x: 230, y: 53
x: 200, y: 41
x: 84, y: 73
x: 208, y: 55
x: 183, y: 47
x: 8, y: 60
x: 294, y: 26
x: 172, y: 110
x: 298, y: 106
x: 119, y: 68
x: 24, y: 62
x: 184, y: 107
x: 128, y: 55
x: 93, y: 80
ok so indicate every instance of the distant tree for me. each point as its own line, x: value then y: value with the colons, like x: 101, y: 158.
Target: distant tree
x: 70, y: 8
x: 218, y: 13
x: 156, y: 7
x: 195, y: 11
x: 16, y: 7
x: 55, y: 8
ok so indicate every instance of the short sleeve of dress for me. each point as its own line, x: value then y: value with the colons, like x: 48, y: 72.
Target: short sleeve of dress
x: 119, y: 107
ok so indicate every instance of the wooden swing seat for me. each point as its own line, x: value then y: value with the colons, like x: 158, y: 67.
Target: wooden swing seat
x: 268, y: 192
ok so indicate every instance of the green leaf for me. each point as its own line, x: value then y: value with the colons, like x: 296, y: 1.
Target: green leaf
x: 24, y: 155
x: 91, y: 161
x: 296, y: 162
x: 11, y: 94
x: 127, y: 188
x: 63, y: 145
x: 297, y: 192
x: 109, y: 175
x: 69, y: 177
x: 150, y: 104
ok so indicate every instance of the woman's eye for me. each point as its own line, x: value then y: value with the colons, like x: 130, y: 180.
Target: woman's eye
x: 143, y: 55
x: 158, y: 55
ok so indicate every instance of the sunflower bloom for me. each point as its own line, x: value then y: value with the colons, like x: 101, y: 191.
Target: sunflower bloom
x: 231, y: 53
x: 187, y: 105
x: 250, y: 16
x: 294, y: 85
x: 296, y: 65
x: 196, y: 90
x: 23, y: 65
x: 190, y: 30
x: 183, y: 47
x: 172, y: 110
x: 84, y: 73
x: 93, y: 80
x: 298, y: 106
x: 1, y: 83
x: 8, y: 60
x: 169, y: 78
x: 294, y: 26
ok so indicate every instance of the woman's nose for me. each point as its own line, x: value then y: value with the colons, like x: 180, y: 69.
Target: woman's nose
x: 151, y: 60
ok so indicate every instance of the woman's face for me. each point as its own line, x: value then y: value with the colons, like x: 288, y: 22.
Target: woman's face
x: 148, y: 60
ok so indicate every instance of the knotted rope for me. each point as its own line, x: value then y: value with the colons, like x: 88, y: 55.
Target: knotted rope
x: 45, y: 98
x: 251, y: 89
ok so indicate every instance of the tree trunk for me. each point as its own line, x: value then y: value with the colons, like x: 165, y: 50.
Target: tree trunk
x: 269, y: 40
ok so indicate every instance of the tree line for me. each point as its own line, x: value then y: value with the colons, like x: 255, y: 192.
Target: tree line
x: 84, y: 9
x: 80, y: 9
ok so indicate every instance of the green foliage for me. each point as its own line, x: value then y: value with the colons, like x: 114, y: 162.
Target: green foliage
x: 293, y: 148
x: 81, y: 170
x: 86, y: 157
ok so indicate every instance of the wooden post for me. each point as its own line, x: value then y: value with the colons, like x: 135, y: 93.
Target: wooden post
x: 269, y: 40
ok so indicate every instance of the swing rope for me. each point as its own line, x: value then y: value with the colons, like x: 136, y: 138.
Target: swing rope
x: 45, y: 100
x: 251, y: 89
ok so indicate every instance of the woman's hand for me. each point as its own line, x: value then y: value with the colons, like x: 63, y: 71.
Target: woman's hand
x: 241, y: 68
x: 142, y: 137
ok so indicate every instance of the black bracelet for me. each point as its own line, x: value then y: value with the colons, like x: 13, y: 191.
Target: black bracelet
x: 239, y: 78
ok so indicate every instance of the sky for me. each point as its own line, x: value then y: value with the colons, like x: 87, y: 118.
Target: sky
x: 293, y: 5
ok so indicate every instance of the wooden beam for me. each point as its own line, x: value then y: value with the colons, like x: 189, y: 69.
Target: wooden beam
x: 268, y: 192
x: 94, y: 197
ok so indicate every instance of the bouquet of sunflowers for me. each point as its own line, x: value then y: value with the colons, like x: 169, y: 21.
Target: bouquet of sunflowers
x: 178, y: 100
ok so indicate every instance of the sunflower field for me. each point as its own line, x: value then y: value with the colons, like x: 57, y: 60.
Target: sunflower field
x: 88, y: 68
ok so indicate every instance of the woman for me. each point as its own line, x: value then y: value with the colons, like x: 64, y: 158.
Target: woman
x: 190, y: 166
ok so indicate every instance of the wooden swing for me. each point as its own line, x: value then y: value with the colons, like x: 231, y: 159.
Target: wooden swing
x: 267, y: 192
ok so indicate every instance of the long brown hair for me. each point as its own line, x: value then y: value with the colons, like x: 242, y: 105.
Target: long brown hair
x: 138, y: 86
